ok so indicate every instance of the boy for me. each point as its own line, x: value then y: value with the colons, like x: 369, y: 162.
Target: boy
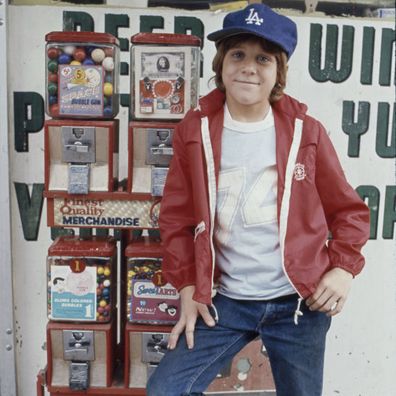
x: 253, y: 190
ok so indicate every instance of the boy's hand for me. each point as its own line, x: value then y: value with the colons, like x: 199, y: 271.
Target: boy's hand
x: 190, y: 310
x: 331, y: 293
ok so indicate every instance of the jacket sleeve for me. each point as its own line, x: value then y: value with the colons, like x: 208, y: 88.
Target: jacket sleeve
x: 346, y: 214
x: 176, y: 220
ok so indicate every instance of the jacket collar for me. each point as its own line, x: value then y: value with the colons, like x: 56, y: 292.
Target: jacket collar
x: 214, y: 102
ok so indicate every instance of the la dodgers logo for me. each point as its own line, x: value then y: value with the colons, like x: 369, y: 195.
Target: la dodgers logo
x: 254, y: 18
x: 299, y: 172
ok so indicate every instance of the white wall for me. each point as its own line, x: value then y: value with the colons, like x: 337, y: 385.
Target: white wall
x: 361, y: 352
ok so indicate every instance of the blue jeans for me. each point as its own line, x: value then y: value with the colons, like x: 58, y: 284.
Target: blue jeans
x: 296, y: 352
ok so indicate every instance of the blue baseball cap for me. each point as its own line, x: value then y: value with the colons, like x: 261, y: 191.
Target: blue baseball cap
x: 259, y: 20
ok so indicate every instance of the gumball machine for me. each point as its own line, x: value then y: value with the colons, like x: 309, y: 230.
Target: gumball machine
x: 81, y: 140
x: 164, y: 87
x: 152, y: 305
x: 81, y: 334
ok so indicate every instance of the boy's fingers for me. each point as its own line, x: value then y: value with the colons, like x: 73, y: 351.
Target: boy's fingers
x: 206, y: 316
x: 190, y: 326
x: 175, y: 333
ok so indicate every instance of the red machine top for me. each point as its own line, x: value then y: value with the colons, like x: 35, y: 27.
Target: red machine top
x: 81, y: 37
x: 165, y: 38
x: 81, y: 247
x: 144, y: 247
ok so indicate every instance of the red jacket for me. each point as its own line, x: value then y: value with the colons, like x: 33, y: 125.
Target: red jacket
x: 313, y: 199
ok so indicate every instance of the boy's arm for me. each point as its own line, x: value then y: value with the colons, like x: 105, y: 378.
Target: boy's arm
x: 176, y: 220
x: 348, y: 221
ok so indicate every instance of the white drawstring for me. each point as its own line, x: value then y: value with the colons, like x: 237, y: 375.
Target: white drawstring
x: 216, y: 315
x: 198, y: 229
x: 298, y: 312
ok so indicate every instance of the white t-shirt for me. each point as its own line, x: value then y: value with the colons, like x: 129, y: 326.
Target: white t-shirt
x: 246, y: 229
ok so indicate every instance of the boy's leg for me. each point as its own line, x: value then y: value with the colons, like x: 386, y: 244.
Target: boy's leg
x: 296, y: 352
x: 184, y: 371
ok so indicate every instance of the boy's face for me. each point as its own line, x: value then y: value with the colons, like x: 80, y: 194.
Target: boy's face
x: 249, y: 75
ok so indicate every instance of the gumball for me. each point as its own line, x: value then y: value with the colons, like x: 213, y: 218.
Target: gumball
x: 109, y: 51
x: 100, y: 310
x: 79, y: 54
x: 53, y: 66
x: 69, y: 49
x: 107, y: 271
x: 106, y: 283
x: 100, y: 270
x: 75, y: 63
x: 54, y: 110
x: 52, y: 88
x: 53, y: 77
x: 108, y: 111
x: 109, y: 77
x: 89, y: 50
x: 102, y: 303
x: 98, y: 55
x: 53, y: 53
x: 108, y: 89
x: 64, y: 59
x: 88, y: 61
x: 105, y: 292
x: 52, y: 100
x: 108, y: 64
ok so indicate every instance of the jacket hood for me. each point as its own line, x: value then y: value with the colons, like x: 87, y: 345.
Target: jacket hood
x: 214, y: 101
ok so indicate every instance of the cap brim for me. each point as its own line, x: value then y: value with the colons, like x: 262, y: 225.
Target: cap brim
x: 228, y: 32
x: 223, y: 33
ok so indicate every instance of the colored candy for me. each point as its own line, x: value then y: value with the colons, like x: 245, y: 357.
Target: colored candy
x: 53, y: 100
x: 53, y: 77
x: 52, y: 53
x: 88, y: 61
x: 108, y: 89
x: 53, y: 66
x: 98, y: 55
x: 108, y: 64
x: 79, y: 54
x: 64, y: 59
x: 107, y: 111
x: 69, y: 49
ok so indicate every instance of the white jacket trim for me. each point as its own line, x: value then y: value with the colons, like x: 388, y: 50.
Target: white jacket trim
x: 210, y: 169
x: 285, y: 204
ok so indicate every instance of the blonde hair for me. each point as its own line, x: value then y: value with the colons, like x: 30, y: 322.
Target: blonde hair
x: 281, y: 60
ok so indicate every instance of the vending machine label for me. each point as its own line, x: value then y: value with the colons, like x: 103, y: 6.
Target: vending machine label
x: 73, y: 294
x: 80, y: 90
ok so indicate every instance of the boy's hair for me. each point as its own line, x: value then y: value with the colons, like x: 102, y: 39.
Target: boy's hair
x: 281, y: 60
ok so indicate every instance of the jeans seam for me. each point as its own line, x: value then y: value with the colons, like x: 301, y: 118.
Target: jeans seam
x: 194, y: 379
